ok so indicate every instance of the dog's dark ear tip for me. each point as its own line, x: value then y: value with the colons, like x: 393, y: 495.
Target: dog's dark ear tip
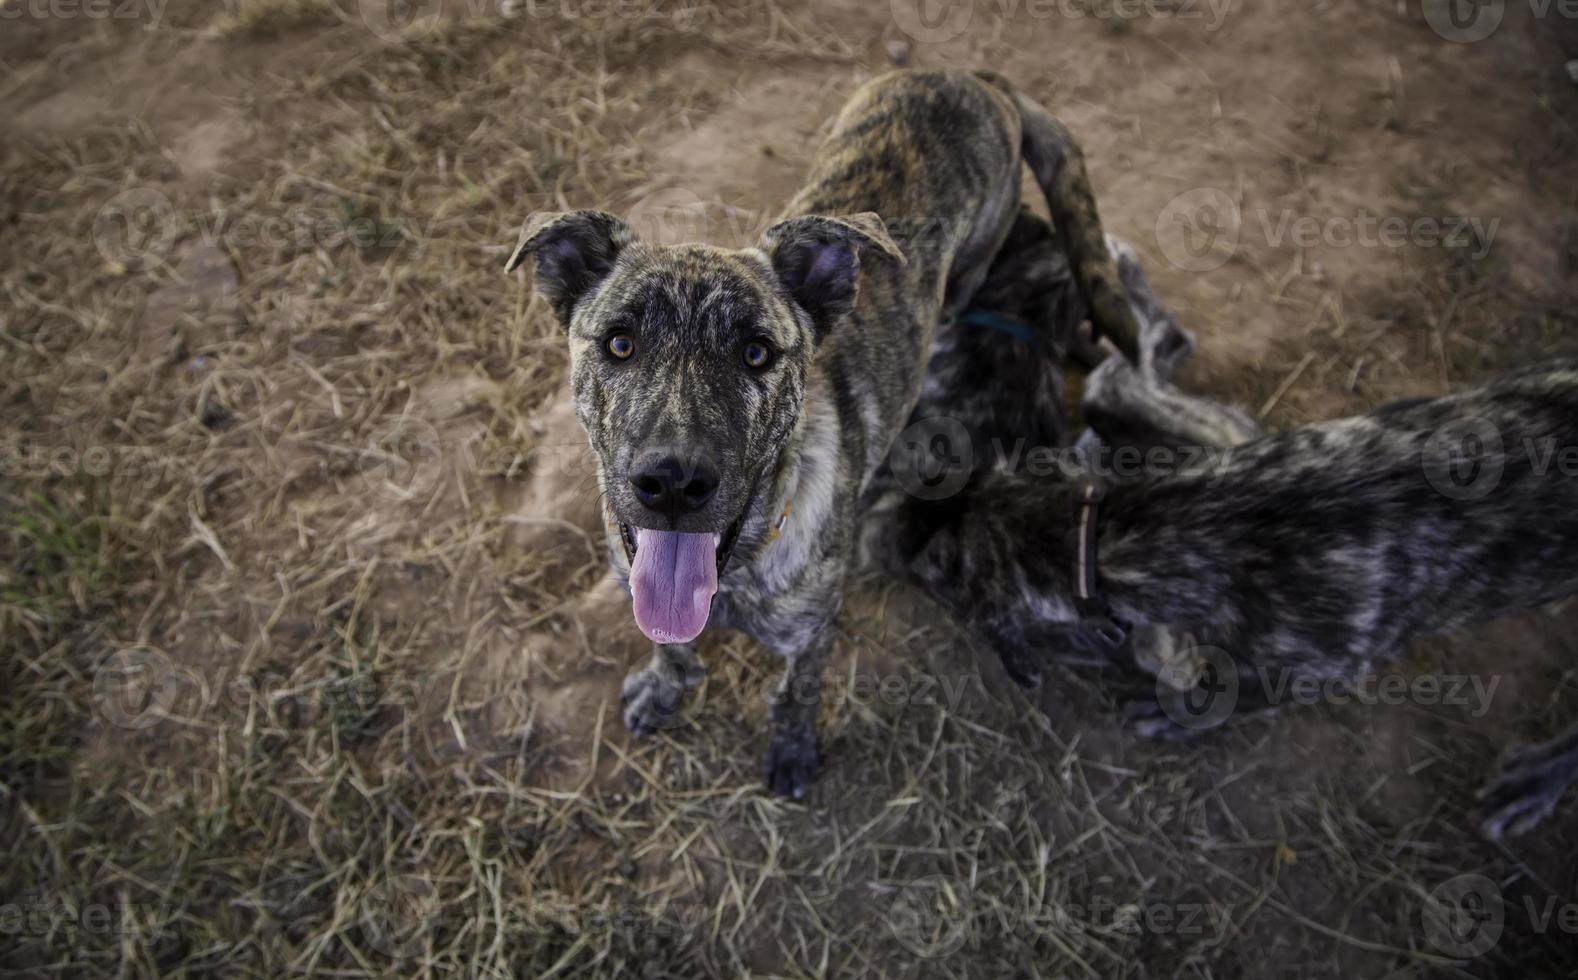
x: 575, y: 250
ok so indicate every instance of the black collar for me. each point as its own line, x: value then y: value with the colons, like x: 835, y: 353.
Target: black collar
x: 1094, y: 611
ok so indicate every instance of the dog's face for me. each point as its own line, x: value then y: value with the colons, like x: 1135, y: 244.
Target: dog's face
x: 688, y: 367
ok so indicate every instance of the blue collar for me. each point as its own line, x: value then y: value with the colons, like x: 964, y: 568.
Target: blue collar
x: 1000, y: 323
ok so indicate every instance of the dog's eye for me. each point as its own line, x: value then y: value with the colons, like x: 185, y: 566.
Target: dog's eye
x: 620, y: 346
x: 757, y: 354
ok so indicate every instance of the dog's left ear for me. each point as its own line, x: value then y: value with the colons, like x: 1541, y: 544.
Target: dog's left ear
x: 818, y: 260
x: 575, y: 250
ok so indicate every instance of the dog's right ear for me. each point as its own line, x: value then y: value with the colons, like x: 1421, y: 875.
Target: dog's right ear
x: 575, y: 250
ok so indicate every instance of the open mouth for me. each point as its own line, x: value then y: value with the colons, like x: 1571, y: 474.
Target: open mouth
x: 673, y: 577
x: 722, y: 549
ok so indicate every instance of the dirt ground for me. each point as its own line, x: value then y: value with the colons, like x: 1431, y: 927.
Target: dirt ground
x: 310, y: 663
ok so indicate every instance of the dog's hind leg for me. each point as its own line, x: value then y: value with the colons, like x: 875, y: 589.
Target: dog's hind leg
x: 1164, y: 343
x: 1125, y: 407
x: 1530, y: 783
x: 653, y: 694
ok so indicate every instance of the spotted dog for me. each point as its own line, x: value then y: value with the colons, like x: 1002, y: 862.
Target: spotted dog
x: 738, y: 401
x: 994, y: 397
x: 996, y: 377
x: 1319, y: 549
x: 1315, y: 552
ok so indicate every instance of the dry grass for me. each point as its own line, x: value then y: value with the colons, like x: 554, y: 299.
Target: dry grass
x: 255, y: 18
x: 286, y: 694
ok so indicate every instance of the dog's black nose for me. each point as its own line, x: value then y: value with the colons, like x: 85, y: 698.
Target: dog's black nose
x: 673, y: 485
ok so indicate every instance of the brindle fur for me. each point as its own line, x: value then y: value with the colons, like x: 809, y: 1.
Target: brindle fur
x: 1005, y: 397
x: 1316, y: 551
x: 903, y: 210
x: 1319, y: 549
x: 1530, y: 783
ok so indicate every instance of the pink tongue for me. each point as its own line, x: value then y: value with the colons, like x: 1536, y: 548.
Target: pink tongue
x: 672, y: 582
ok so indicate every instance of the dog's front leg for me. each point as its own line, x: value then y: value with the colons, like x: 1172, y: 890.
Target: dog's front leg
x: 654, y: 692
x: 792, y: 757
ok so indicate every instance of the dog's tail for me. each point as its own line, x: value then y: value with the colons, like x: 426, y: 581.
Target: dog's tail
x: 1059, y: 167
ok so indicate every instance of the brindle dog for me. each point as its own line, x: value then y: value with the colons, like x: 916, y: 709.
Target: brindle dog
x: 1314, y: 552
x: 739, y: 401
x: 993, y: 402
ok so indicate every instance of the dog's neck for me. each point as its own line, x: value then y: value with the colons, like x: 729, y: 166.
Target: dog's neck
x: 785, y: 526
x: 1158, y: 559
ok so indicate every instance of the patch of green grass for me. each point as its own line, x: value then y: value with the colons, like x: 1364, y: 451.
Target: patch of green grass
x: 57, y: 573
x: 61, y: 564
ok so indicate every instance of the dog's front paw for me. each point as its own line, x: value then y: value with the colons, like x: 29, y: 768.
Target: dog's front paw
x: 791, y: 762
x: 653, y: 696
x: 1524, y: 792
